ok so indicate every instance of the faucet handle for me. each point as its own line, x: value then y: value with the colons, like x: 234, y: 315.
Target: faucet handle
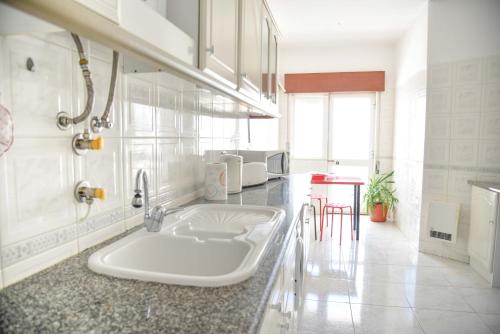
x: 155, y: 221
x: 84, y: 193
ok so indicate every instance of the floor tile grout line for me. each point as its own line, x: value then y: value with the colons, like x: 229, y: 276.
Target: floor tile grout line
x: 413, y: 311
x: 453, y: 311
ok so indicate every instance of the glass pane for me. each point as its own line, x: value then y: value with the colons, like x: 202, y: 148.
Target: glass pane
x: 265, y: 58
x: 351, y: 127
x: 273, y: 64
x: 308, y: 128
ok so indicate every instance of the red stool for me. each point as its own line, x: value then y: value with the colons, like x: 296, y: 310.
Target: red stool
x: 334, y: 206
x: 320, y: 198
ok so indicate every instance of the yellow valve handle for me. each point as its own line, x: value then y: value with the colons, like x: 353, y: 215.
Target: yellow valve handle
x: 97, y: 143
x: 100, y: 193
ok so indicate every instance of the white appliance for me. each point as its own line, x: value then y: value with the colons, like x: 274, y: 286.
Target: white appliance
x: 234, y: 172
x: 254, y: 173
x: 277, y: 162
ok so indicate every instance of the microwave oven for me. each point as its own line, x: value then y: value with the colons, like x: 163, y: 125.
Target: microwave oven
x: 277, y: 162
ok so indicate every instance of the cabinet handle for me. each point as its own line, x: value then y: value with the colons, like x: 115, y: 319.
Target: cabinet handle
x: 492, y: 221
x: 211, y: 50
x: 287, y: 314
x: 244, y: 75
x: 276, y: 306
x: 284, y: 326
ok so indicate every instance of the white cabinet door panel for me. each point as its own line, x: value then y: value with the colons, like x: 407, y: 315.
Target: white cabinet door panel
x: 219, y: 39
x: 482, y: 228
x: 251, y: 45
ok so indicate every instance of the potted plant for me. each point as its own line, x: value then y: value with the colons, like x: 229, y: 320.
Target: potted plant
x: 379, y: 197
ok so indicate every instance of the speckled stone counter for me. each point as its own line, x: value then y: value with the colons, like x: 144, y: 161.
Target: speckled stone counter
x: 491, y: 186
x: 69, y: 298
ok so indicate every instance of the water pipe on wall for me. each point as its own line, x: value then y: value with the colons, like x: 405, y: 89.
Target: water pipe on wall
x: 63, y: 119
x: 98, y: 123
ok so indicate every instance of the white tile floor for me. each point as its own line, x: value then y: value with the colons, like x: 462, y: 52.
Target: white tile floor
x: 382, y: 284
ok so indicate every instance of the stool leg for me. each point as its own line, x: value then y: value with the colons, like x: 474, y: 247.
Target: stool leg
x: 331, y: 225
x: 321, y: 225
x: 314, y: 213
x: 341, y: 218
x: 326, y: 201
x: 320, y: 212
x: 350, y: 214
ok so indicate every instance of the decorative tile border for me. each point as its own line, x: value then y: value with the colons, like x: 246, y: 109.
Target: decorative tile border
x: 100, y: 221
x: 27, y: 248
x: 39, y: 244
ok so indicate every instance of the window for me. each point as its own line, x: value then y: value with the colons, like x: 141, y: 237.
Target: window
x: 308, y: 127
x: 351, y: 126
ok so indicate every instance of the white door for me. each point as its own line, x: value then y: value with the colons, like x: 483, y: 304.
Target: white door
x: 350, y: 140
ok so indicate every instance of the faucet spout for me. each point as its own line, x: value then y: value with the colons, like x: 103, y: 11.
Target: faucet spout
x: 137, y: 201
x: 152, y: 220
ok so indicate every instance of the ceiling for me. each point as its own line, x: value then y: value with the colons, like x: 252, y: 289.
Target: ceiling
x: 303, y: 22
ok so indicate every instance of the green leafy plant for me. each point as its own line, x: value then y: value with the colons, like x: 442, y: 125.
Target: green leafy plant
x: 380, y: 191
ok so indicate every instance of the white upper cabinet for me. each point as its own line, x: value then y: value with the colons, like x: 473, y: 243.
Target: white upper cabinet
x: 250, y: 47
x: 106, y: 8
x: 226, y: 45
x: 219, y: 39
x: 148, y: 22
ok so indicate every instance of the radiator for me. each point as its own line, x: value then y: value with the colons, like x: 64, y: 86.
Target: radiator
x: 442, y: 221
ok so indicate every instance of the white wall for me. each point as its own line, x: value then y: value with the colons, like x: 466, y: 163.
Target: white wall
x: 345, y: 58
x: 339, y: 58
x: 409, y: 125
x: 462, y: 140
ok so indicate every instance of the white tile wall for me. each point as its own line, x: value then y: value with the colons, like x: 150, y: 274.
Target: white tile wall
x: 470, y: 150
x: 158, y: 126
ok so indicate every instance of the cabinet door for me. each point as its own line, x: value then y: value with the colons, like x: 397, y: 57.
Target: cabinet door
x: 482, y: 227
x: 273, y: 317
x: 219, y: 39
x: 250, y: 52
x: 266, y: 37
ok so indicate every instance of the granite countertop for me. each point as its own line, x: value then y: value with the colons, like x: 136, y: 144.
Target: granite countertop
x: 492, y: 186
x: 69, y: 298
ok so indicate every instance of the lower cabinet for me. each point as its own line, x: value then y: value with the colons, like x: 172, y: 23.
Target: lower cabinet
x: 483, y: 234
x: 286, y: 296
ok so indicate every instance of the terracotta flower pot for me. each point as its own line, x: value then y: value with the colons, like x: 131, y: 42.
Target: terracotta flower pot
x: 378, y: 213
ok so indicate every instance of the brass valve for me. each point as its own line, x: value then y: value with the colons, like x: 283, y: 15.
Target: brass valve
x: 84, y: 193
x: 83, y: 142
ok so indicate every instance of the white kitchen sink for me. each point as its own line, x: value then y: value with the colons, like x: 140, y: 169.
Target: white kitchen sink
x: 204, y: 245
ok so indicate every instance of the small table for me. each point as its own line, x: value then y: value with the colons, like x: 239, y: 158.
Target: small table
x: 345, y: 180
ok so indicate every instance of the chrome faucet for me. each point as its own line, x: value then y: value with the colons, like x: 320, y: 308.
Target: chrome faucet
x: 152, y: 220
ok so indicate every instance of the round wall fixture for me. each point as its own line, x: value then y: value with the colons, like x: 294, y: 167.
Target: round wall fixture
x: 6, y: 130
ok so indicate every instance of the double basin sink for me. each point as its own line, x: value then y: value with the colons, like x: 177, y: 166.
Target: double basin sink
x: 202, y: 245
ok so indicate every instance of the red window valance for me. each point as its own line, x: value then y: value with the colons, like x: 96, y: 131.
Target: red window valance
x: 373, y: 81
